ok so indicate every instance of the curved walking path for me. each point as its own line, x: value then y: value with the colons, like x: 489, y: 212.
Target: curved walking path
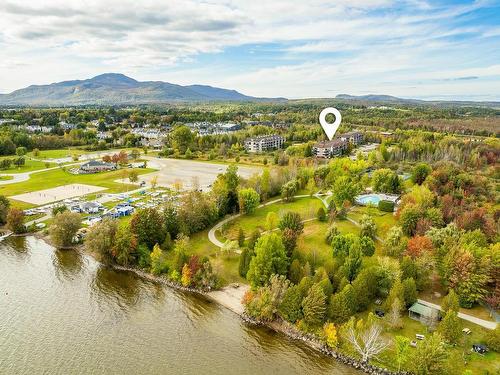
x: 211, y: 233
x: 469, y: 318
x: 25, y: 176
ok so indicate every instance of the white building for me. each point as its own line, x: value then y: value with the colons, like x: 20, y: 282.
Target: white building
x: 355, y: 138
x: 328, y: 149
x: 264, y: 143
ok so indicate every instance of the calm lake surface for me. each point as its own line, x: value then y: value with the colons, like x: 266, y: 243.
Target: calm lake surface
x: 61, y: 312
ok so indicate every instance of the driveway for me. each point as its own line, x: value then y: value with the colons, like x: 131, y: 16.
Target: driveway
x: 469, y: 318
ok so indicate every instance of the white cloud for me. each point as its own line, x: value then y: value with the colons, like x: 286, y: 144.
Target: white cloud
x: 374, y: 41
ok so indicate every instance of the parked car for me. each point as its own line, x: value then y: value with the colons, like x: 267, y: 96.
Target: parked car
x: 379, y: 313
x: 479, y: 348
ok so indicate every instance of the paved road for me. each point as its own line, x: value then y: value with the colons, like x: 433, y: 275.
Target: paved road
x: 20, y: 177
x: 483, y: 323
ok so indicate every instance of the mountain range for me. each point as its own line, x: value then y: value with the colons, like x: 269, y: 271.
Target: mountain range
x: 388, y: 100
x: 118, y: 89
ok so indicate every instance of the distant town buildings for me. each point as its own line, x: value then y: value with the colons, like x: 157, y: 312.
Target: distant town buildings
x: 337, y: 146
x: 264, y: 143
x: 34, y: 128
x: 210, y: 128
x: 67, y: 126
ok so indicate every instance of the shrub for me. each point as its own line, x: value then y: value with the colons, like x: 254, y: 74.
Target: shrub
x: 493, y: 339
x: 15, y: 220
x: 321, y: 214
x: 386, y: 206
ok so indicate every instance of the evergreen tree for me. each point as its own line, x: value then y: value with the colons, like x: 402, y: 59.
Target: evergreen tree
x: 270, y: 258
x: 353, y: 263
x: 244, y: 264
x: 450, y: 302
x: 241, y: 237
x: 314, y: 306
x: 450, y: 327
x: 409, y: 292
x: 290, y: 308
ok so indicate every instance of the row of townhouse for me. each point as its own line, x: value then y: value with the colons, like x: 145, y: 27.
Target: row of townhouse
x: 337, y: 146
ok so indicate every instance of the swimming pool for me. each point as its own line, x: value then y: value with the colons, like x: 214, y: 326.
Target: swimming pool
x: 368, y: 199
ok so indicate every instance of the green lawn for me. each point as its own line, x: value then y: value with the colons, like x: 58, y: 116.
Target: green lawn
x: 30, y: 165
x: 383, y: 220
x: 465, y: 359
x: 57, y: 154
x: 59, y: 177
x: 306, y: 207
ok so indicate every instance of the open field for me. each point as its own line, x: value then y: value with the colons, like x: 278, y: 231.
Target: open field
x: 306, y: 207
x: 60, y: 177
x: 383, y: 220
x: 29, y: 165
x: 190, y: 173
x: 59, y: 193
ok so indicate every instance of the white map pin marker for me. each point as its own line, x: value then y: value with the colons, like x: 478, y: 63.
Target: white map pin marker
x: 330, y: 129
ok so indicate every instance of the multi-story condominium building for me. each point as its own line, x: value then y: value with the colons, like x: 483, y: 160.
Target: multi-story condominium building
x: 328, y: 149
x: 264, y: 143
x: 355, y: 138
x: 337, y: 146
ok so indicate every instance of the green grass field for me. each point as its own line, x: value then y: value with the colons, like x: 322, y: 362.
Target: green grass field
x: 383, y: 220
x: 60, y: 177
x: 30, y: 165
x: 57, y: 154
x: 306, y: 207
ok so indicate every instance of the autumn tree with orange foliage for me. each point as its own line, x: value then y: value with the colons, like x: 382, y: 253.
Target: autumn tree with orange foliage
x: 419, y: 245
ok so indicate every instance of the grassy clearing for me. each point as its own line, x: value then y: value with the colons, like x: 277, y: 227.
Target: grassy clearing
x: 306, y: 207
x: 465, y: 359
x: 384, y: 220
x: 60, y: 177
x: 57, y: 154
x: 6, y: 178
x: 69, y: 152
x: 224, y: 264
x: 30, y: 165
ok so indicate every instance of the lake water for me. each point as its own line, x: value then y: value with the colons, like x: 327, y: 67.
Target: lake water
x: 61, y: 312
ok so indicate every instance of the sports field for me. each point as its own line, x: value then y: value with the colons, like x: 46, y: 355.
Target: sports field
x: 57, y: 194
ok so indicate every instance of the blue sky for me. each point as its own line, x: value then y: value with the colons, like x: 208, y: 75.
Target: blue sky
x: 419, y: 49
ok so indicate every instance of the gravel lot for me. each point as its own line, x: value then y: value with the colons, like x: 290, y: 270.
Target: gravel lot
x: 189, y: 172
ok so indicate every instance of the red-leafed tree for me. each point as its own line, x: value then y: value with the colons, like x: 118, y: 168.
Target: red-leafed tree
x: 419, y: 245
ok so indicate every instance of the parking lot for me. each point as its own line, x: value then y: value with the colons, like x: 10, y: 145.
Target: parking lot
x: 190, y: 173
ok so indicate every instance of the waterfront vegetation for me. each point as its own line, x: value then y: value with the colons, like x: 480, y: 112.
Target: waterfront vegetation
x: 317, y: 263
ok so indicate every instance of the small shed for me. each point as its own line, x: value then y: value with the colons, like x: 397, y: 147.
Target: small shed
x: 125, y: 210
x: 423, y: 313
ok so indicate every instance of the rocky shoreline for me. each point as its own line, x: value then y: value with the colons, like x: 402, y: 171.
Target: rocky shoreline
x: 232, y: 301
x: 278, y: 326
